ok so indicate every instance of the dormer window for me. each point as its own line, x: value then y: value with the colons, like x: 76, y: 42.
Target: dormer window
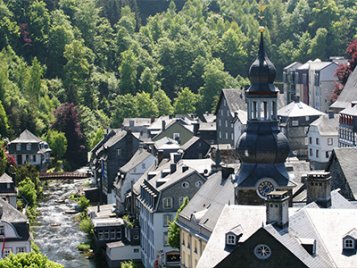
x: 231, y: 240
x: 18, y: 147
x: 348, y: 243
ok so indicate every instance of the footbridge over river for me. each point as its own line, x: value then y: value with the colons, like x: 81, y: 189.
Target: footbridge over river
x: 65, y: 175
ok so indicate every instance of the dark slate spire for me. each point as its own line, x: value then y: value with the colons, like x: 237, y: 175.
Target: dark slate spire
x: 262, y: 72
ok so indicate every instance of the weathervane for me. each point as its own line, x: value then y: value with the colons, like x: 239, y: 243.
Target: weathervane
x: 261, y: 7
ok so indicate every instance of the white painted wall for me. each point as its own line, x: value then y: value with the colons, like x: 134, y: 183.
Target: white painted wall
x: 323, y: 145
x: 122, y: 253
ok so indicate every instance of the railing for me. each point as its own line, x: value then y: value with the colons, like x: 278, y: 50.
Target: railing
x: 64, y: 175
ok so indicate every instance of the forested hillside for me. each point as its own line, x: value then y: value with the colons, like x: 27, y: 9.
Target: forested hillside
x: 98, y: 55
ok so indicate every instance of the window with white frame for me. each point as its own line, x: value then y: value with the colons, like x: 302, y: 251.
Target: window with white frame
x: 294, y: 123
x: 226, y: 123
x: 100, y: 235
x: 329, y: 141
x: 135, y: 250
x: 143, y: 165
x: 317, y: 153
x: 307, y: 118
x: 176, y: 136
x: 317, y: 141
x: 18, y: 147
x: 220, y: 134
x: 167, y: 202
x: 166, y: 239
x: 20, y: 249
x: 348, y: 243
x: 112, y: 234
x: 226, y: 135
x: 28, y: 146
x: 119, y: 152
x: 34, y: 158
x: 7, y: 252
x: 167, y: 218
x: 327, y: 154
x: 231, y: 239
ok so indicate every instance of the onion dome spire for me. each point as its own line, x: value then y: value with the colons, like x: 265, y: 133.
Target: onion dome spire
x: 262, y: 72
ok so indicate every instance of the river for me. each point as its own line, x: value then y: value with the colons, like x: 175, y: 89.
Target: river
x: 59, y: 243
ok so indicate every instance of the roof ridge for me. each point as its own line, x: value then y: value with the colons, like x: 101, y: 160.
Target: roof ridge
x: 306, y: 211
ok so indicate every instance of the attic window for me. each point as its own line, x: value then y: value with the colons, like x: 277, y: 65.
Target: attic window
x: 231, y: 240
x: 262, y: 251
x: 348, y: 243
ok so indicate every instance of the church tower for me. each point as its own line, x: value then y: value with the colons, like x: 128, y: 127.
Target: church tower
x: 262, y: 148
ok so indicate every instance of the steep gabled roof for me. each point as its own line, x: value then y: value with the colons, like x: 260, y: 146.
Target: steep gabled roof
x: 11, y: 214
x: 327, y: 126
x: 139, y: 157
x: 347, y: 158
x: 4, y: 178
x: 352, y: 110
x: 234, y: 98
x: 210, y: 199
x: 348, y: 94
x: 26, y: 137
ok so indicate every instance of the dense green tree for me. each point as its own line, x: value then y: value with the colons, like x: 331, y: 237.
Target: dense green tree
x: 174, y: 229
x: 27, y: 190
x: 77, y: 70
x: 128, y: 73
x: 4, y: 126
x: 163, y: 103
x: 319, y: 44
x: 57, y: 142
x: 215, y: 79
x: 186, y: 102
x: 9, y: 30
x: 123, y: 106
x: 146, y: 106
x: 32, y: 259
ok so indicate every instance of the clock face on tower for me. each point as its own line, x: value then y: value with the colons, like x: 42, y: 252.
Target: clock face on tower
x: 264, y: 187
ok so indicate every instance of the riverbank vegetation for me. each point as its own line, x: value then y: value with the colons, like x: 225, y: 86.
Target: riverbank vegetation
x: 76, y: 67
x: 31, y: 259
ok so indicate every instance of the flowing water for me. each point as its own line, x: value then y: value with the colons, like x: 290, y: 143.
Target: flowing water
x: 56, y: 233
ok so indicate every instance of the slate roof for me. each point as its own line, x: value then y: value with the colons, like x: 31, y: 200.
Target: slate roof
x: 104, y: 222
x: 26, y: 137
x: 298, y: 109
x: 348, y: 94
x: 4, y: 178
x: 251, y: 218
x: 164, y: 141
x: 235, y: 100
x: 137, y: 122
x: 326, y: 226
x: 119, y: 135
x: 191, y: 142
x: 319, y: 65
x: 11, y: 214
x: 347, y: 158
x: 305, y: 66
x: 210, y: 199
x: 139, y: 156
x: 350, y: 110
x: 292, y: 65
x: 207, y: 126
x: 209, y: 118
x: 327, y: 126
x: 202, y: 166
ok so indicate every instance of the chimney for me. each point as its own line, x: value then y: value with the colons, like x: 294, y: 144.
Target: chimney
x: 297, y: 99
x: 172, y: 168
x: 177, y: 156
x: 131, y: 122
x: 160, y: 155
x: 196, y: 126
x: 277, y: 209
x: 318, y: 186
x: 163, y: 123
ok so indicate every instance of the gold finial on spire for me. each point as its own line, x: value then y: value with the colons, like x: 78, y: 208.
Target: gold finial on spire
x: 261, y: 29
